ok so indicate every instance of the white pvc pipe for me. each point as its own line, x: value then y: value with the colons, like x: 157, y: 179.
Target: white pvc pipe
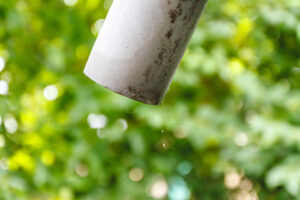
x: 141, y: 44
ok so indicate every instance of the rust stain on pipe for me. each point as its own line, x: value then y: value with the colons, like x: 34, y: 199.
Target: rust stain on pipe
x: 140, y: 46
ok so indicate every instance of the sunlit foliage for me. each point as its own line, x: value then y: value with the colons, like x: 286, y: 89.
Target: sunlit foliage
x: 229, y: 127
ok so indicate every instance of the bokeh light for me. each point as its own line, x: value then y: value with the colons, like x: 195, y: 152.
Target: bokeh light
x: 70, y: 2
x: 241, y: 139
x: 136, y: 174
x: 178, y: 189
x: 180, y: 133
x: 232, y: 179
x: 50, y: 92
x: 2, y: 63
x: 66, y: 193
x: 3, y: 87
x: 159, y: 188
x: 100, y: 133
x: 97, y: 26
x: 228, y: 127
x: 82, y: 170
x: 3, y: 163
x: 184, y: 168
x: 96, y: 121
x: 123, y: 123
x: 48, y: 157
x: 246, y: 185
x: 10, y: 123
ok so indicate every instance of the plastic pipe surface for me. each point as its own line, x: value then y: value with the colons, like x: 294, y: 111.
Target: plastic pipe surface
x: 140, y: 46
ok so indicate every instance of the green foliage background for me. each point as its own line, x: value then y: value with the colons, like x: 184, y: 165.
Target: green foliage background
x: 231, y: 118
